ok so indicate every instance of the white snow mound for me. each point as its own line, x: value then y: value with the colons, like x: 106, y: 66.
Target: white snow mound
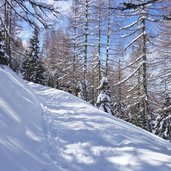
x: 21, y: 136
x: 41, y: 123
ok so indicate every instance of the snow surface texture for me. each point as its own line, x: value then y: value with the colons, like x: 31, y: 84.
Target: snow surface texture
x: 73, y: 136
x: 21, y: 137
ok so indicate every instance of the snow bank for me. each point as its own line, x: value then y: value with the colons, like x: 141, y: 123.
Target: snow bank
x: 21, y: 135
x: 83, y: 138
x: 44, y: 129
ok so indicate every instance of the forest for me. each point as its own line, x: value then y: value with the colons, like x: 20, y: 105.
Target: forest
x: 114, y: 54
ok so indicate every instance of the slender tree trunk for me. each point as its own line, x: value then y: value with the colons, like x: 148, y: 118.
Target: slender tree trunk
x: 74, y: 57
x: 119, y: 79
x: 146, y: 107
x: 8, y: 20
x: 99, y: 42
x: 93, y: 81
x: 85, y: 50
x: 139, y: 86
x: 108, y: 38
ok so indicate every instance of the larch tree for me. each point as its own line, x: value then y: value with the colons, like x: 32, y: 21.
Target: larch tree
x: 33, y: 13
x: 119, y: 91
x: 162, y: 76
x: 11, y: 26
x: 85, y: 7
x: 50, y: 48
x: 108, y: 35
x: 142, y: 15
x: 58, y: 60
x: 79, y: 44
x: 76, y: 44
x: 30, y: 11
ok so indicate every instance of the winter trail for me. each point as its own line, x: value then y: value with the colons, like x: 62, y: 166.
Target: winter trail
x: 44, y: 129
x: 80, y: 137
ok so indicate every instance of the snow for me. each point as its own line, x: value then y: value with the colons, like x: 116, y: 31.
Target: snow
x: 44, y: 129
x: 133, y: 41
x: 21, y: 135
x: 103, y: 82
x: 131, y: 25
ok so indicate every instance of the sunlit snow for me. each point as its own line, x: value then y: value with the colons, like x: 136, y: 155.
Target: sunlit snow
x: 44, y: 129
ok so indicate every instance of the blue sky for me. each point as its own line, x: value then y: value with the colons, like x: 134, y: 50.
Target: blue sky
x: 26, y: 31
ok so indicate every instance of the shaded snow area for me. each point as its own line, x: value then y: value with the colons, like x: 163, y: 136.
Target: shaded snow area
x: 22, y: 142
x: 82, y: 138
x: 44, y: 129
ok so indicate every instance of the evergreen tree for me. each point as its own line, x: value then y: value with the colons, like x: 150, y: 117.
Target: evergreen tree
x: 103, y: 100
x: 162, y: 125
x: 120, y: 110
x: 3, y: 55
x: 33, y: 69
x: 39, y: 74
x: 26, y: 69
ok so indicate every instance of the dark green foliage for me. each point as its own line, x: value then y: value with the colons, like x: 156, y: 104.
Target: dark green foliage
x: 3, y: 55
x: 27, y: 67
x: 32, y: 68
x: 162, y: 125
x: 39, y: 74
x: 120, y: 110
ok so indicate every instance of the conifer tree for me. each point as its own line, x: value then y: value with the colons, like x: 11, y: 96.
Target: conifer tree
x: 162, y: 125
x: 26, y: 69
x: 3, y: 55
x: 103, y: 100
x: 33, y: 69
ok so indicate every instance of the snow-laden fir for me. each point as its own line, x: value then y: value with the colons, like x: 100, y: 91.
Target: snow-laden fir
x: 44, y: 129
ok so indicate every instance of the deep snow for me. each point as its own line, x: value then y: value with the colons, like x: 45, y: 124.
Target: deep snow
x: 44, y: 129
x: 21, y: 137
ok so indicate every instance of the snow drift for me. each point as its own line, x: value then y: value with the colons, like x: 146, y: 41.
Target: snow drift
x: 21, y: 135
x: 44, y: 129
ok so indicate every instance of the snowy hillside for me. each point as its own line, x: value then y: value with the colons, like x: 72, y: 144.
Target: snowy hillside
x: 43, y: 129
x: 21, y: 136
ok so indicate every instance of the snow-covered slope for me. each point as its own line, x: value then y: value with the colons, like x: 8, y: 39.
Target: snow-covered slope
x: 73, y: 136
x: 21, y: 136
